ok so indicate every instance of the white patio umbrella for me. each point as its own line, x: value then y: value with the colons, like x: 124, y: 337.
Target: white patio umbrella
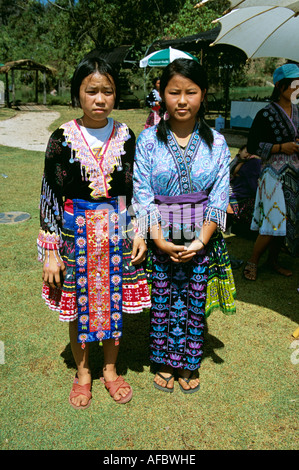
x: 263, y: 31
x: 257, y: 3
x: 164, y: 57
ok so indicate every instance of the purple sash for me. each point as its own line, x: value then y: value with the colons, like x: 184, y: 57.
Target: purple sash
x: 182, y: 215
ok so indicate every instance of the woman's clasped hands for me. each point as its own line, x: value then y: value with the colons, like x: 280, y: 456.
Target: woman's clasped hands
x: 180, y: 253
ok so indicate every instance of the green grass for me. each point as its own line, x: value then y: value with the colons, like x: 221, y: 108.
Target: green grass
x: 7, y: 113
x: 249, y: 384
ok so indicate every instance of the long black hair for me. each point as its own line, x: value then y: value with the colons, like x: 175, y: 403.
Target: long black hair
x: 92, y: 63
x: 192, y: 70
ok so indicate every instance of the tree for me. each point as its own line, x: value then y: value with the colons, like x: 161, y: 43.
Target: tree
x: 115, y: 23
x: 59, y: 33
x: 192, y: 21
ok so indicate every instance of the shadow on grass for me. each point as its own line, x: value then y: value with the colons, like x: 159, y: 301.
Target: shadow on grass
x: 134, y: 349
x: 133, y: 353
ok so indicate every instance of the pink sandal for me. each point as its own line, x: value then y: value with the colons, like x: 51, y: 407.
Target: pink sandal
x: 80, y: 390
x: 115, y: 385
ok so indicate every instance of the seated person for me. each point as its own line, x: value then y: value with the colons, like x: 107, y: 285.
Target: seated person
x: 245, y: 170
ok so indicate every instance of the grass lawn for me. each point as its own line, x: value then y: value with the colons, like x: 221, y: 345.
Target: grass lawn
x: 7, y: 113
x: 249, y: 376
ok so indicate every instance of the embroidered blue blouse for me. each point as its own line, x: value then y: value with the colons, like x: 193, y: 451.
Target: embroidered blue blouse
x: 165, y: 170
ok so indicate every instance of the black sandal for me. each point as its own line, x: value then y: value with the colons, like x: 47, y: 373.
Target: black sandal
x: 187, y: 380
x: 167, y: 379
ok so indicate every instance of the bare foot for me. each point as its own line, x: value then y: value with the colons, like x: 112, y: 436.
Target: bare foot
x: 280, y: 270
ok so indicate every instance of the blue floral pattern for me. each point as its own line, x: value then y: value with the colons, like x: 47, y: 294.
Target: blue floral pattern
x: 178, y: 311
x: 156, y: 173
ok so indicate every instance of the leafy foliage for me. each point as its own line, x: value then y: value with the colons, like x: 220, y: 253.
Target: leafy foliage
x: 59, y: 33
x: 190, y: 21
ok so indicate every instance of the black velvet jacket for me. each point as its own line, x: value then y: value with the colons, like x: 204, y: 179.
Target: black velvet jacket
x: 65, y: 178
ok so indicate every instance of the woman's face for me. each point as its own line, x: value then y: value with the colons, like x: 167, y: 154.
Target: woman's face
x: 243, y: 154
x: 183, y: 99
x: 291, y: 93
x: 97, y: 98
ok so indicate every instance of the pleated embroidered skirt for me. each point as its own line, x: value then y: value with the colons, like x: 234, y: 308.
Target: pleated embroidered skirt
x: 269, y: 216
x: 101, y: 283
x: 183, y: 295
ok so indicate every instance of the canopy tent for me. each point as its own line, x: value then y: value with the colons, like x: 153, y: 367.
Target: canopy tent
x: 121, y: 56
x: 194, y: 43
x: 25, y: 64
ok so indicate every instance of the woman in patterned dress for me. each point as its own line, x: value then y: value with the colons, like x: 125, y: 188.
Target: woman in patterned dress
x: 153, y: 100
x: 90, y: 270
x: 181, y: 188
x: 274, y: 137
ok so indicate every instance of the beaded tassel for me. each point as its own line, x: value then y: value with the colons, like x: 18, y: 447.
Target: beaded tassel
x: 146, y: 221
x: 219, y: 215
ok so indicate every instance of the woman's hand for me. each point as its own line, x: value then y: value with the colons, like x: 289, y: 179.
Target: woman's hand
x: 191, y: 250
x: 53, y: 270
x: 179, y: 253
x: 290, y: 147
x: 139, y: 251
x: 229, y: 209
x: 172, y: 250
x: 199, y: 243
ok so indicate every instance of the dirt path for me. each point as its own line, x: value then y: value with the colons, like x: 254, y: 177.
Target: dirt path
x: 27, y: 131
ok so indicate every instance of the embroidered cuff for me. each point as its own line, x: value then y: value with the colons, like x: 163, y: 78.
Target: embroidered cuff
x: 264, y: 150
x: 46, y: 241
x: 216, y: 215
